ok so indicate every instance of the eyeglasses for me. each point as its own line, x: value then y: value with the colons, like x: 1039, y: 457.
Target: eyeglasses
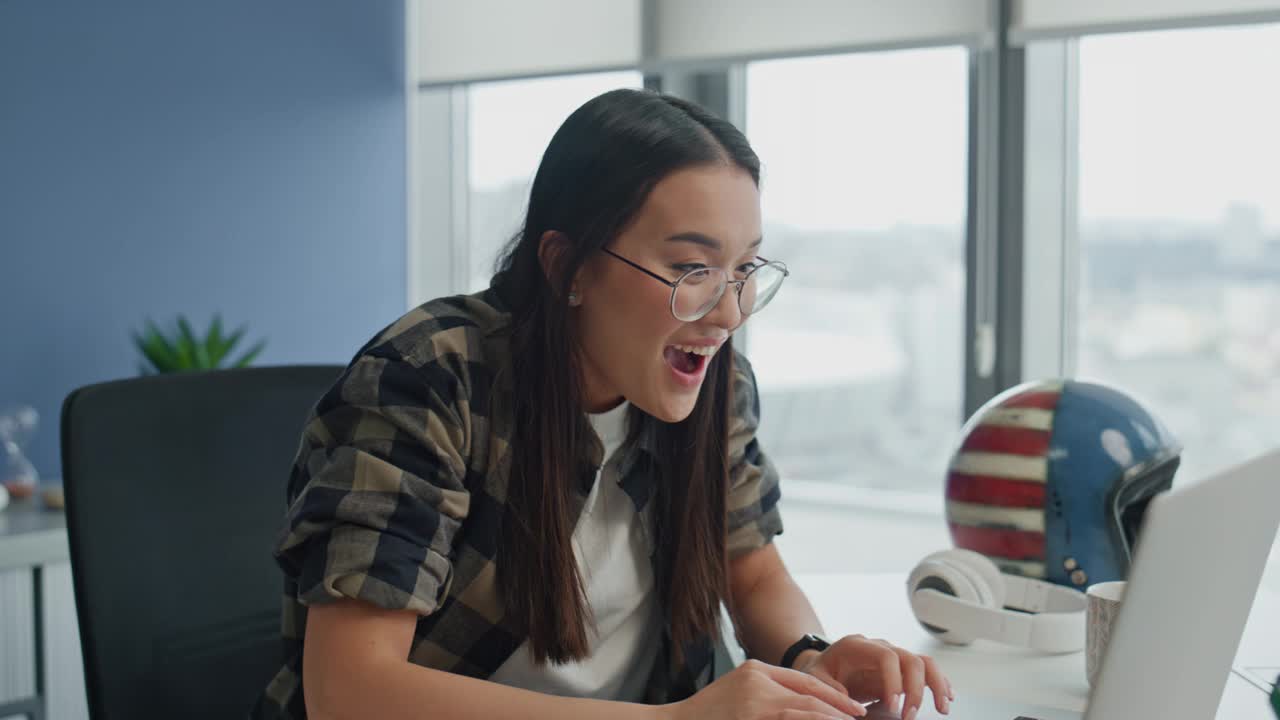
x: 696, y: 292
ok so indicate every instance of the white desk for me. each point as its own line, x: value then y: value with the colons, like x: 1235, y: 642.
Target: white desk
x: 875, y: 605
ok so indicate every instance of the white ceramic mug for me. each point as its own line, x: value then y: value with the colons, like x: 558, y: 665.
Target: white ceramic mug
x: 1103, y: 605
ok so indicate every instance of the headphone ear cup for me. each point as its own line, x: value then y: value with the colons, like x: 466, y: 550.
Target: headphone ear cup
x: 986, y: 579
x: 948, y: 579
x: 983, y: 566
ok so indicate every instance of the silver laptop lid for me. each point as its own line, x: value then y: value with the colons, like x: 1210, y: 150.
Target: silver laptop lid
x: 1200, y: 556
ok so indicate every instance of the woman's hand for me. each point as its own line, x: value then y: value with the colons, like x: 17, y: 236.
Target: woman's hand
x: 759, y: 691
x: 869, y: 670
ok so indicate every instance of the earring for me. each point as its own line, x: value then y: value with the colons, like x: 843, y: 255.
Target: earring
x: 573, y: 299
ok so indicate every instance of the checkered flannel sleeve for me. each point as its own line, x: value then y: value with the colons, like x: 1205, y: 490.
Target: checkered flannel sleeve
x: 753, y: 480
x: 379, y: 491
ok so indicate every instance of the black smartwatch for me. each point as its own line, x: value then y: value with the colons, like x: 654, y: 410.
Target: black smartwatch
x: 808, y: 642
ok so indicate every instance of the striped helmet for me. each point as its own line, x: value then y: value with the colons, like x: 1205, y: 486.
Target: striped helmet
x: 1052, y: 478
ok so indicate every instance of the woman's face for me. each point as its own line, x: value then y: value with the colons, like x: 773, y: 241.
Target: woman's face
x: 705, y: 216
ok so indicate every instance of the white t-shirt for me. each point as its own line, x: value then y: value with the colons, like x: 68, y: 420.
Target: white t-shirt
x: 612, y: 549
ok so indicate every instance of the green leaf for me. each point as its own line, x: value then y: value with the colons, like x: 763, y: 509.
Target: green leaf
x: 199, y: 353
x: 229, y: 342
x: 215, y: 330
x: 141, y: 345
x: 185, y: 355
x: 202, y: 358
x: 233, y: 340
x: 187, y: 345
x: 1275, y: 697
x: 214, y: 342
x: 249, y: 356
x: 184, y: 331
x: 158, y: 350
x: 143, y: 349
x: 182, y: 349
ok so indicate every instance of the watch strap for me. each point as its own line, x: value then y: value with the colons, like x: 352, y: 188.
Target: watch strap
x: 808, y: 642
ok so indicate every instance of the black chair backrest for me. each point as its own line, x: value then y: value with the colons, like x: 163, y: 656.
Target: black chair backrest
x: 175, y: 489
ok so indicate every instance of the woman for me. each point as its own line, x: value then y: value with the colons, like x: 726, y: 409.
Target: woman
x: 530, y: 502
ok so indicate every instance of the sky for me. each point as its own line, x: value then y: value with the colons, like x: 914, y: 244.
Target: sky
x: 1174, y: 126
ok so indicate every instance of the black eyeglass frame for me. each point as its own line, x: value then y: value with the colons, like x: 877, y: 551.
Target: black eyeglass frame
x: 711, y: 305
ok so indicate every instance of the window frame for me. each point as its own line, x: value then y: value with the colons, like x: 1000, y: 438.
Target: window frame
x: 1021, y: 296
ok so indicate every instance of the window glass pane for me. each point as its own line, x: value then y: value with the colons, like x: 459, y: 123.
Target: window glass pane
x: 510, y: 125
x: 859, y: 356
x: 1180, y: 232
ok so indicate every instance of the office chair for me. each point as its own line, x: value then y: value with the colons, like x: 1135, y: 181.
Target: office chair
x: 175, y: 489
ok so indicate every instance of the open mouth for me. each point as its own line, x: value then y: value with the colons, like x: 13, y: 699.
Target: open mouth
x: 687, y: 361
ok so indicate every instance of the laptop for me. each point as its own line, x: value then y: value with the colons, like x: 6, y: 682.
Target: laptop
x: 1199, y: 558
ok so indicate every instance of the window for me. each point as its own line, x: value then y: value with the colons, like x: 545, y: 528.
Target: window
x: 859, y: 358
x: 1179, y: 230
x: 1168, y: 151
x: 510, y: 124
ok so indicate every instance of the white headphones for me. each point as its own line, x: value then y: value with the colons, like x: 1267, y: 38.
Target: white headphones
x: 960, y: 595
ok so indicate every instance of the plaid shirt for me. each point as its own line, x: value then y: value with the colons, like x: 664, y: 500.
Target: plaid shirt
x: 397, y: 490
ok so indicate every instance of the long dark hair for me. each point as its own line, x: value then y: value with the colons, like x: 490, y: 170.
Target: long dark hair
x: 594, y: 177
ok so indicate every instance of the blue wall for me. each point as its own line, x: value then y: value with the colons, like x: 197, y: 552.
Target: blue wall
x: 163, y: 156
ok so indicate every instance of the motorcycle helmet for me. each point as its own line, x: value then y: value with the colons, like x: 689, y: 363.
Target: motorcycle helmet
x: 1051, y: 480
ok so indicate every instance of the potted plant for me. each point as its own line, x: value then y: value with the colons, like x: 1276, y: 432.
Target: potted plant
x: 181, y: 350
